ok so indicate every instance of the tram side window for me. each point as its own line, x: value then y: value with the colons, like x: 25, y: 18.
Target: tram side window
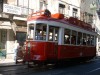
x: 88, y: 39
x: 92, y: 40
x: 73, y: 37
x: 31, y: 31
x: 40, y: 33
x: 66, y: 36
x: 84, y: 39
x: 56, y: 34
x: 53, y: 33
x: 79, y: 39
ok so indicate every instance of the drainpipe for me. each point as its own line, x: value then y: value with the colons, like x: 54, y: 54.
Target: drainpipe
x: 13, y: 24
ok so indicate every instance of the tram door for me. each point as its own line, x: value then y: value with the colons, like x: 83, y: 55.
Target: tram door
x: 53, y: 37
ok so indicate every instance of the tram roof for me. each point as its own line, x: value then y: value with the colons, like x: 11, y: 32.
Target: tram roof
x: 70, y: 23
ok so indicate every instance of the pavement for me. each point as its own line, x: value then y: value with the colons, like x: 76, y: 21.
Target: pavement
x: 8, y: 62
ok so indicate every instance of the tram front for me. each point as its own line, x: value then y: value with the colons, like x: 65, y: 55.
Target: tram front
x: 39, y: 44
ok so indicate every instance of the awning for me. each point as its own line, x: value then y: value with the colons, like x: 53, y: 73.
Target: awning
x: 21, y: 26
x: 5, y: 25
x: 20, y: 23
x: 21, y: 29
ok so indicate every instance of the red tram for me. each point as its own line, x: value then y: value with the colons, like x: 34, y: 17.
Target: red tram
x: 53, y: 38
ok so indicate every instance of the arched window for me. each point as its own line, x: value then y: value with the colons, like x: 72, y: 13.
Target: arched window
x: 62, y: 8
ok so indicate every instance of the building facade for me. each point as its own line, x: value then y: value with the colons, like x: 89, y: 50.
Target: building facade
x: 90, y: 14
x: 13, y: 16
x: 66, y: 7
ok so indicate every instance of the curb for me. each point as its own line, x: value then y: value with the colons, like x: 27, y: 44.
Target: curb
x: 10, y: 64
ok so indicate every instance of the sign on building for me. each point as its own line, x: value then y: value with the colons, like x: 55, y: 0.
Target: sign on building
x: 11, y: 9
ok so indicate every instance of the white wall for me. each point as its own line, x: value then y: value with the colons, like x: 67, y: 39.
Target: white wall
x: 34, y: 4
x: 85, y: 6
x: 53, y: 6
x: 10, y: 44
x: 74, y: 4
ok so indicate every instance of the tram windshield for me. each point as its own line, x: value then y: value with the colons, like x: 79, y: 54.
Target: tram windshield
x: 37, y: 31
x: 41, y: 31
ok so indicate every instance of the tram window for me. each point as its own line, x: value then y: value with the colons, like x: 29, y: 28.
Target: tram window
x: 56, y: 34
x: 88, y: 39
x: 40, y: 33
x: 79, y: 38
x: 67, y: 36
x: 31, y: 31
x: 53, y: 33
x: 73, y: 37
x: 84, y: 39
x: 92, y: 40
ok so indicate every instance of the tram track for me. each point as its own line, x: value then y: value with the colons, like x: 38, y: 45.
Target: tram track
x: 24, y: 70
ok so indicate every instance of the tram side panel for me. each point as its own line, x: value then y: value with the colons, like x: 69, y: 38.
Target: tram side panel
x: 51, y: 50
x: 41, y: 51
x: 89, y: 51
x: 68, y: 52
x: 36, y: 52
x: 27, y: 54
x: 65, y: 51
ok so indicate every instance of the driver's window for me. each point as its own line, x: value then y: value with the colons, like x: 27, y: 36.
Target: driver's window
x: 40, y: 33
